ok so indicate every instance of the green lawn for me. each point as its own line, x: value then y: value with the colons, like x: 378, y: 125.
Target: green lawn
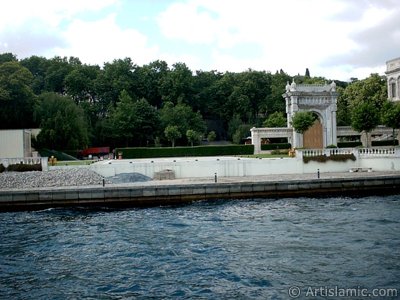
x: 74, y: 162
x: 265, y: 155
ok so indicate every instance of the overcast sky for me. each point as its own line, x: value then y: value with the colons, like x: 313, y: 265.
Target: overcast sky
x: 337, y: 39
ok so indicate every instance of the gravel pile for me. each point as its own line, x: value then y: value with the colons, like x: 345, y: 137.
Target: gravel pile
x: 53, y: 178
x: 128, y: 177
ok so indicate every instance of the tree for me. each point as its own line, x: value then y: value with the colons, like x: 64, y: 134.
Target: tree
x: 391, y: 116
x: 7, y: 57
x: 62, y: 122
x: 211, y: 136
x: 149, y: 80
x: 193, y: 136
x: 16, y: 96
x: 132, y: 122
x: 365, y: 117
x: 242, y: 132
x: 172, y: 133
x: 177, y: 85
x: 372, y: 89
x: 58, y: 69
x: 274, y: 100
x: 112, y: 80
x: 183, y: 117
x: 38, y: 67
x: 302, y: 121
x: 79, y: 83
x: 147, y: 122
x: 307, y: 73
x: 276, y: 119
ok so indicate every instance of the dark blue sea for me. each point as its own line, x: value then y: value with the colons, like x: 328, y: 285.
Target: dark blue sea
x: 237, y: 249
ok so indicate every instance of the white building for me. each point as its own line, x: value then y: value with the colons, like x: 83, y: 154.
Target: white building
x: 16, y: 143
x: 393, y: 78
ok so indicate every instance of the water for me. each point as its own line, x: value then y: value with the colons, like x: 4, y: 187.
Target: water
x: 252, y: 249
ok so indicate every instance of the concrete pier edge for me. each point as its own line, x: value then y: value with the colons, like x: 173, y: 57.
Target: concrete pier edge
x: 181, y: 193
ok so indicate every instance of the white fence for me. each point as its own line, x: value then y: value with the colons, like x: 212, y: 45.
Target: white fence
x: 358, y: 152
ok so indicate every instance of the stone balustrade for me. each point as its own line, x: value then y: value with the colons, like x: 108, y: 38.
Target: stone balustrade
x: 358, y: 152
x: 395, y: 152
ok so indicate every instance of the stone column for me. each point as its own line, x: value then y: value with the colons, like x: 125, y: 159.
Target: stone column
x: 334, y: 129
x: 255, y: 140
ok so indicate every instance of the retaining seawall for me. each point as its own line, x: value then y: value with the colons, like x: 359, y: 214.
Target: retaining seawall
x: 178, y: 192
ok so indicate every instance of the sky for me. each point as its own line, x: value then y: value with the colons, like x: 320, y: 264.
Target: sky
x: 335, y: 39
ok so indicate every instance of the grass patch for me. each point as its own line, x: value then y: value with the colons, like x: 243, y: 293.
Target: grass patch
x: 74, y: 162
x: 264, y: 155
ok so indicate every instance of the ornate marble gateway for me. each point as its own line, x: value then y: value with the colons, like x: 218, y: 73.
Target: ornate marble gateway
x: 319, y: 99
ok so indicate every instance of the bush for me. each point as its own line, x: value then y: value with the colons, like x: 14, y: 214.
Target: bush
x: 349, y: 144
x: 324, y: 158
x: 385, y: 143
x: 2, y: 168
x: 185, y: 151
x: 276, y: 146
x: 374, y: 143
x: 280, y: 152
x: 24, y: 168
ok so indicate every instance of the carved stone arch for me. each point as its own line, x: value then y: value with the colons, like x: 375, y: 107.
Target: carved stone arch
x: 320, y: 99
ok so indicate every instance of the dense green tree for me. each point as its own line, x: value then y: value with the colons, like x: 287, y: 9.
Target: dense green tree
x: 193, y: 136
x: 233, y: 125
x: 343, y: 117
x: 307, y: 74
x: 149, y: 81
x: 391, y: 116
x: 16, y: 96
x: 256, y: 86
x: 79, y: 83
x: 7, y: 57
x: 274, y: 100
x: 115, y: 77
x: 276, y: 119
x: 132, y: 122
x: 147, y: 123
x: 302, y: 121
x: 242, y: 132
x: 177, y: 85
x: 172, y: 133
x: 57, y: 71
x: 62, y: 122
x: 365, y: 117
x: 223, y: 106
x: 183, y: 117
x: 211, y: 136
x: 38, y: 67
x: 226, y: 101
x: 204, y: 99
x: 372, y: 89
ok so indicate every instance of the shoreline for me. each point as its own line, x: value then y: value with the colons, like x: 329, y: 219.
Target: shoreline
x: 187, y: 190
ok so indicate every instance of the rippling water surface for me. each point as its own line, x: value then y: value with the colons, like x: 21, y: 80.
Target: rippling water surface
x: 252, y: 249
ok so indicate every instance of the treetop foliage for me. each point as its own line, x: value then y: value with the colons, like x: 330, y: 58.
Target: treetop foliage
x: 124, y: 104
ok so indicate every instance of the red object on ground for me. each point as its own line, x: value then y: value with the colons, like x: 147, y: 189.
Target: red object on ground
x: 95, y: 151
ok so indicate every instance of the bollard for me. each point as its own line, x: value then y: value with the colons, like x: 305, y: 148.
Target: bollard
x: 104, y: 182
x: 318, y: 173
x: 215, y: 177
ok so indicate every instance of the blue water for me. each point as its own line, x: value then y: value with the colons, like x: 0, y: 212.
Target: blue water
x: 243, y: 249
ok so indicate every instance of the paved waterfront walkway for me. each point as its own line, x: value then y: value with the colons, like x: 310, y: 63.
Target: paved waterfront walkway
x: 262, y: 178
x: 208, y: 180
x: 178, y: 191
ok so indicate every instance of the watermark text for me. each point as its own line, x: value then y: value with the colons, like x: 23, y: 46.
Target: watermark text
x: 336, y: 291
